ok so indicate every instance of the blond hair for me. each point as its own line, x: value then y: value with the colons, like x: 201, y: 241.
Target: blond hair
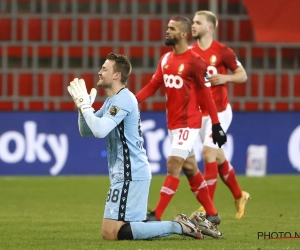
x: 210, y: 17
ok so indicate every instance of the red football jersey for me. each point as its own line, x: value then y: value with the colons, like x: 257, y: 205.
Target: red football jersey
x: 218, y: 58
x: 183, y: 76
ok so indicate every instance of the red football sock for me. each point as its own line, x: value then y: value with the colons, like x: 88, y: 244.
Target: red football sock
x: 227, y: 174
x: 211, y: 177
x: 199, y: 188
x: 167, y: 192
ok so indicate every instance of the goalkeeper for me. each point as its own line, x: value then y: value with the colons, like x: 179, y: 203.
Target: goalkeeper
x: 129, y: 171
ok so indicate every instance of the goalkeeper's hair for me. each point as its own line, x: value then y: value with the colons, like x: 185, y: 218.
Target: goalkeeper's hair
x: 122, y: 65
x: 210, y: 17
x: 186, y: 24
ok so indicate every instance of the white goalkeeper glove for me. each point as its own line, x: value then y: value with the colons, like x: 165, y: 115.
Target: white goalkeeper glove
x: 81, y: 98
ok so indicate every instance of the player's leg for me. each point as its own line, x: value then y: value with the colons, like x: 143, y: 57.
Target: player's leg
x: 146, y: 230
x: 133, y: 212
x: 126, y: 201
x: 199, y: 187
x: 209, y: 158
x: 228, y: 176
x: 181, y: 143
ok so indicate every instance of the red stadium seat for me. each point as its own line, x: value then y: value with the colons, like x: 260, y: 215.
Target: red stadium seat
x: 239, y: 89
x: 159, y: 106
x: 296, y: 86
x: 251, y: 106
x: 245, y: 31
x: 285, y: 85
x: 282, y: 106
x: 95, y: 29
x: 266, y: 106
x: 57, y: 85
x: 229, y: 35
x: 64, y: 29
x: 236, y: 106
x: 36, y: 106
x: 146, y: 77
x: 296, y: 106
x: 34, y: 30
x: 66, y: 106
x: 254, y: 84
x: 25, y: 85
x: 154, y: 28
x: 6, y: 29
x: 6, y: 106
x: 125, y: 29
x: 269, y: 85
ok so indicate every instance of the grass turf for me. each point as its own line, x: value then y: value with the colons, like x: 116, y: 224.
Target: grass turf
x: 66, y: 213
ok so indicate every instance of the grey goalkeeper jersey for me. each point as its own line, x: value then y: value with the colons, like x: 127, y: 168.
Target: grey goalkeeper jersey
x: 126, y: 155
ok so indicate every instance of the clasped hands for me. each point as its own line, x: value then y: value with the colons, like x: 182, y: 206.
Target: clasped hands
x: 83, y: 100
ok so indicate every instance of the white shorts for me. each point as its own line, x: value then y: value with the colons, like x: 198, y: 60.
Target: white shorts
x: 127, y: 201
x: 225, y: 118
x: 182, y: 141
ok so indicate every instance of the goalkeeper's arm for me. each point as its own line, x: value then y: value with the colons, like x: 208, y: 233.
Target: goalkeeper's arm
x: 98, y: 126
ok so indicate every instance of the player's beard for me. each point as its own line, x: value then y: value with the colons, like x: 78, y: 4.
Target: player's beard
x: 171, y: 41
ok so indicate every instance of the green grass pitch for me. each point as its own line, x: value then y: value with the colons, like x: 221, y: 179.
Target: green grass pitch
x: 66, y: 213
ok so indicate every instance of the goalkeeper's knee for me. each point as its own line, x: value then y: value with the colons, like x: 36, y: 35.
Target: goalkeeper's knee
x: 125, y: 232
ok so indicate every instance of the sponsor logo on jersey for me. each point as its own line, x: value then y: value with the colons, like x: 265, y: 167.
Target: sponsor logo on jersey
x: 213, y: 60
x: 172, y: 81
x: 166, y: 66
x: 113, y: 110
x: 180, y: 69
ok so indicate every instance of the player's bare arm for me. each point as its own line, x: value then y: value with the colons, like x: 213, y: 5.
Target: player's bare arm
x: 238, y: 76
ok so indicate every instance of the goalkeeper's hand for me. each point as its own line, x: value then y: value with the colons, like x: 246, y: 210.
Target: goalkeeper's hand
x: 218, y: 135
x: 78, y: 92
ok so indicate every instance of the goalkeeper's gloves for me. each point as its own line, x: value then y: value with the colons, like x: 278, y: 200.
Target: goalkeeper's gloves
x: 81, y: 98
x: 218, y: 135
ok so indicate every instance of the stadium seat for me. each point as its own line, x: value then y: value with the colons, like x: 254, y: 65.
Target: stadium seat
x: 284, y: 85
x: 296, y: 86
x: 65, y: 106
x: 269, y: 85
x: 236, y: 106
x: 56, y: 85
x: 146, y: 77
x: 6, y: 106
x: 296, y: 106
x: 125, y: 29
x: 64, y: 29
x: 282, y: 106
x: 94, y: 29
x: 154, y: 29
x: 34, y: 30
x: 229, y: 34
x: 245, y: 31
x: 132, y: 85
x: 266, y: 106
x: 254, y: 85
x: 239, y: 90
x: 36, y: 106
x: 251, y: 106
x: 159, y: 106
x: 25, y: 84
x: 6, y: 29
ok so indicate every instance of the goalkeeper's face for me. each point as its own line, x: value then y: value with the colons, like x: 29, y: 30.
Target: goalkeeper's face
x: 106, y: 75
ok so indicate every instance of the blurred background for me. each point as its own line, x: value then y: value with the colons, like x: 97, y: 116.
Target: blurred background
x: 45, y: 44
